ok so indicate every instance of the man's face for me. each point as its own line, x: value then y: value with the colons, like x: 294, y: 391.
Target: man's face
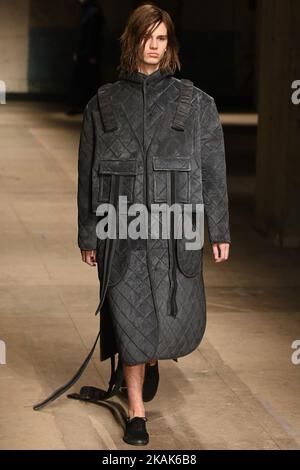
x: 155, y: 45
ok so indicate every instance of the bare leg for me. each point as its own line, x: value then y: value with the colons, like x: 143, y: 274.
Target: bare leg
x: 134, y: 377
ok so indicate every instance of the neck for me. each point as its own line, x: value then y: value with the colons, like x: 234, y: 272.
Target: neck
x: 147, y: 69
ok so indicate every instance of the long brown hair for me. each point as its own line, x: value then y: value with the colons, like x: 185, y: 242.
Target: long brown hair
x: 147, y: 15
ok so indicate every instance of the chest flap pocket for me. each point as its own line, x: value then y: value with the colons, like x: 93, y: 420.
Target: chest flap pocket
x: 162, y: 168
x: 126, y: 169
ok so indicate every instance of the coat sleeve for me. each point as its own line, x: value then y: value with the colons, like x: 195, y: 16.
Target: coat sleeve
x: 214, y: 181
x: 87, y: 220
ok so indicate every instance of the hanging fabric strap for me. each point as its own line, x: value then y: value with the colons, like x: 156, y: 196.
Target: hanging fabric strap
x: 181, y: 114
x: 116, y: 375
x: 184, y: 104
x: 107, y: 112
x: 172, y: 253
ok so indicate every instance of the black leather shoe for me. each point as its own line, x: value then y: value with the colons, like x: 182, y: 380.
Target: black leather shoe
x: 150, y: 385
x: 136, y: 433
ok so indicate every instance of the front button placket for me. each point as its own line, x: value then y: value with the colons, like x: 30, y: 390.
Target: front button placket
x: 144, y: 144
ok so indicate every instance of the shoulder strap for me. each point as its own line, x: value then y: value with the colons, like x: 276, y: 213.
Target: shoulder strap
x: 184, y: 104
x: 106, y: 108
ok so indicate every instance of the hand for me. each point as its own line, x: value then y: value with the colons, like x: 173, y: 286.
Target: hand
x: 93, y: 60
x: 89, y: 257
x: 220, y: 251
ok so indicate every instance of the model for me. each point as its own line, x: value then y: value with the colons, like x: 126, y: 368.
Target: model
x: 155, y: 140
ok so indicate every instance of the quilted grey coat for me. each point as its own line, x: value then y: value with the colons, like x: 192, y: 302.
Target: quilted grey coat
x: 153, y: 138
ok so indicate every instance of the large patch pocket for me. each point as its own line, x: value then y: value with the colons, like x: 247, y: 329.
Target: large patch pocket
x: 162, y: 168
x: 188, y: 261
x: 126, y: 169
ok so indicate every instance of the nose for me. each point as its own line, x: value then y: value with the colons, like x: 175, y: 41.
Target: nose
x: 153, y: 44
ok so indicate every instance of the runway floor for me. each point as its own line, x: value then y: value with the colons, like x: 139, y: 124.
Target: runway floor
x: 238, y: 390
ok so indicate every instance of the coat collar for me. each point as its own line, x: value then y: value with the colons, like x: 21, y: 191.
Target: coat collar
x: 140, y: 77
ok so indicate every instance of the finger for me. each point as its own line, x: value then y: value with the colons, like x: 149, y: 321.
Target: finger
x: 88, y: 260
x: 224, y: 247
x: 91, y: 260
x: 93, y: 256
x: 86, y: 257
x: 223, y: 251
x: 216, y: 252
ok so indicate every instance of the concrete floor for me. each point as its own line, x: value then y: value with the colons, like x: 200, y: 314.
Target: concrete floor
x: 238, y: 390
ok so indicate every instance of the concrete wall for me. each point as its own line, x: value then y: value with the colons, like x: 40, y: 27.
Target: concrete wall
x: 278, y: 142
x: 14, y: 35
x: 51, y: 34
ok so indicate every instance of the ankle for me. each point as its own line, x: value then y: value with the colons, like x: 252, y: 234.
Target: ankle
x: 152, y: 363
x: 136, y: 412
